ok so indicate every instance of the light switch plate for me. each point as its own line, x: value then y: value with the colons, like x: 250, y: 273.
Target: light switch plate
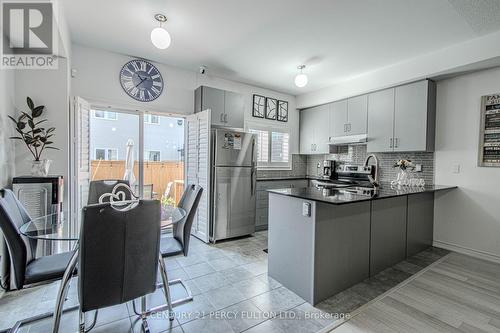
x: 306, y: 209
x: 418, y: 167
x: 456, y: 168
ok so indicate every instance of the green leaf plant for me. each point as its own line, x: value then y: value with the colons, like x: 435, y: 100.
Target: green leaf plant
x: 27, y: 125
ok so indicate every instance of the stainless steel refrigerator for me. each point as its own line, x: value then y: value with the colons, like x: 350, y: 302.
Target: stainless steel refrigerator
x: 233, y: 174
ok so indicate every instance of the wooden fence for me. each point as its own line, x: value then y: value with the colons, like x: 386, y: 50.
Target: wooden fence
x: 159, y: 174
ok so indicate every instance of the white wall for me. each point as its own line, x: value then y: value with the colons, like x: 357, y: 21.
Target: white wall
x: 7, y: 165
x: 468, y: 218
x: 49, y: 88
x: 97, y: 81
x: 475, y: 53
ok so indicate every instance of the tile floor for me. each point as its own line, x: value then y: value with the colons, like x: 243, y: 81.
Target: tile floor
x: 232, y: 293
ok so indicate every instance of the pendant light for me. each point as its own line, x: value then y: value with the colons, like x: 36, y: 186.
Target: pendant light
x: 301, y: 79
x: 159, y: 36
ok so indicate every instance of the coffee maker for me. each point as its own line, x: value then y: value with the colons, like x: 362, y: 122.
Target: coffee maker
x: 327, y: 169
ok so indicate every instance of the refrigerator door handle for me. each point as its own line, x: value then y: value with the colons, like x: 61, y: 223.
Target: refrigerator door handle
x: 252, y: 185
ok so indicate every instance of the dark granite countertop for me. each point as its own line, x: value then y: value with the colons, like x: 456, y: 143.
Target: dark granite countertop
x: 339, y: 197
x: 267, y: 179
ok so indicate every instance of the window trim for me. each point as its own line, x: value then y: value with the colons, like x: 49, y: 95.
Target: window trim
x: 270, y: 129
x: 106, y: 153
x: 105, y: 113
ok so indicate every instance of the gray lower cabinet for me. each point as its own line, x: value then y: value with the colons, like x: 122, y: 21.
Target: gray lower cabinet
x: 420, y: 222
x: 322, y: 254
x: 262, y: 199
x: 388, y: 233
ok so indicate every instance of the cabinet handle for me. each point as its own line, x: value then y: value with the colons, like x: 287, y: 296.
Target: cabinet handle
x: 391, y: 143
x: 225, y: 117
x: 396, y: 142
x: 222, y: 117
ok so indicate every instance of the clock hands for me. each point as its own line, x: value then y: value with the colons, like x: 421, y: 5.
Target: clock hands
x: 142, y: 80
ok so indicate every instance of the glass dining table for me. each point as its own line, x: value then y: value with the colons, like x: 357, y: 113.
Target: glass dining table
x: 61, y: 234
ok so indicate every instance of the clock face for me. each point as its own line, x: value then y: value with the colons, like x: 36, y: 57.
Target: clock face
x: 141, y: 80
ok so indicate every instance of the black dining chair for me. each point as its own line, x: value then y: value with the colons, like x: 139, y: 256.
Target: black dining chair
x: 25, y: 268
x: 179, y: 242
x: 119, y: 257
x: 99, y: 187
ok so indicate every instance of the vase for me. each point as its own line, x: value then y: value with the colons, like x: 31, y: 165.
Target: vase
x: 40, y: 168
x: 402, y: 179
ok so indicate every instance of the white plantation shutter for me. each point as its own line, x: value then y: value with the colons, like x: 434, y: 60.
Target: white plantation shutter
x: 262, y: 144
x: 273, y: 146
x: 280, y: 145
x: 80, y: 158
x: 198, y: 168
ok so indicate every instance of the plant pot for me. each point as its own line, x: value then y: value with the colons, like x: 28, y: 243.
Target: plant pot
x: 40, y: 168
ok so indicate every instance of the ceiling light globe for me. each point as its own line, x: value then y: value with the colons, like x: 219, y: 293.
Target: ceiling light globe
x: 160, y: 38
x: 301, y: 80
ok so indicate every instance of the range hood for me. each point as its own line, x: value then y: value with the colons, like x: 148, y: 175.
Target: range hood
x: 348, y: 140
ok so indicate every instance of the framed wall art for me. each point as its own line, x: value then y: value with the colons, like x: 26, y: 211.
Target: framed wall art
x: 259, y: 106
x: 271, y: 108
x: 283, y: 111
x: 489, y: 131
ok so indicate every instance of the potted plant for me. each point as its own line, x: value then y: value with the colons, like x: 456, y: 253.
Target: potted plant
x: 35, y: 137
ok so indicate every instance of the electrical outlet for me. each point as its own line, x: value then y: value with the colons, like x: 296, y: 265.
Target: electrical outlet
x: 418, y: 167
x: 455, y: 168
x: 306, y: 209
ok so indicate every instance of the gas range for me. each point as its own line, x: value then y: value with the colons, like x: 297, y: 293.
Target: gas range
x: 349, y: 178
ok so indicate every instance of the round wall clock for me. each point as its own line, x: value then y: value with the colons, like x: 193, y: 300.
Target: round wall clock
x: 141, y: 80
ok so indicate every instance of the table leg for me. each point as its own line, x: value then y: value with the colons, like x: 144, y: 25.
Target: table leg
x: 63, y: 290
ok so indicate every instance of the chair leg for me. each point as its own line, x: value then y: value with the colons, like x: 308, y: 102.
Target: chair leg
x: 63, y: 290
x: 81, y: 325
x: 181, y: 301
x: 166, y: 290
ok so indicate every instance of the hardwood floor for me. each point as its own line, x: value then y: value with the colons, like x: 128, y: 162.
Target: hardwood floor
x: 456, y: 294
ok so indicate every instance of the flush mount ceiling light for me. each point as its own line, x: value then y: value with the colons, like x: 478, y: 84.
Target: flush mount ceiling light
x: 301, y: 79
x: 159, y: 36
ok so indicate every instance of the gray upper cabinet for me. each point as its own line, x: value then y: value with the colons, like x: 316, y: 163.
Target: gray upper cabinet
x: 380, y: 121
x: 314, y: 130
x: 357, y: 115
x: 338, y: 118
x: 234, y: 105
x: 227, y: 107
x: 306, y: 133
x: 414, y: 116
x: 402, y: 118
x: 349, y: 116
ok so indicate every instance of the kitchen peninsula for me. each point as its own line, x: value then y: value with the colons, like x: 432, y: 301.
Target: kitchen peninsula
x: 324, y: 241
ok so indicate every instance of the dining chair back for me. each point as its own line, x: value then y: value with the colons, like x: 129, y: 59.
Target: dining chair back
x: 21, y: 249
x: 25, y: 268
x: 99, y: 187
x: 118, y: 259
x: 189, y: 202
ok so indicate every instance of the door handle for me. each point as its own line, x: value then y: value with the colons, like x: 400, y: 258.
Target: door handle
x: 252, y: 186
x: 390, y: 143
x: 396, y: 142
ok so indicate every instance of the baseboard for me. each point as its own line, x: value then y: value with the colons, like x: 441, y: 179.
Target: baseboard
x: 468, y: 251
x: 261, y: 227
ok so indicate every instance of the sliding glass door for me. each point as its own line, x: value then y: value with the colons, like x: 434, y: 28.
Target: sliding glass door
x: 144, y: 148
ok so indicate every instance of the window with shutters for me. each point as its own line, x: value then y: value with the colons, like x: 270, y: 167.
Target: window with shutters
x: 273, y: 147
